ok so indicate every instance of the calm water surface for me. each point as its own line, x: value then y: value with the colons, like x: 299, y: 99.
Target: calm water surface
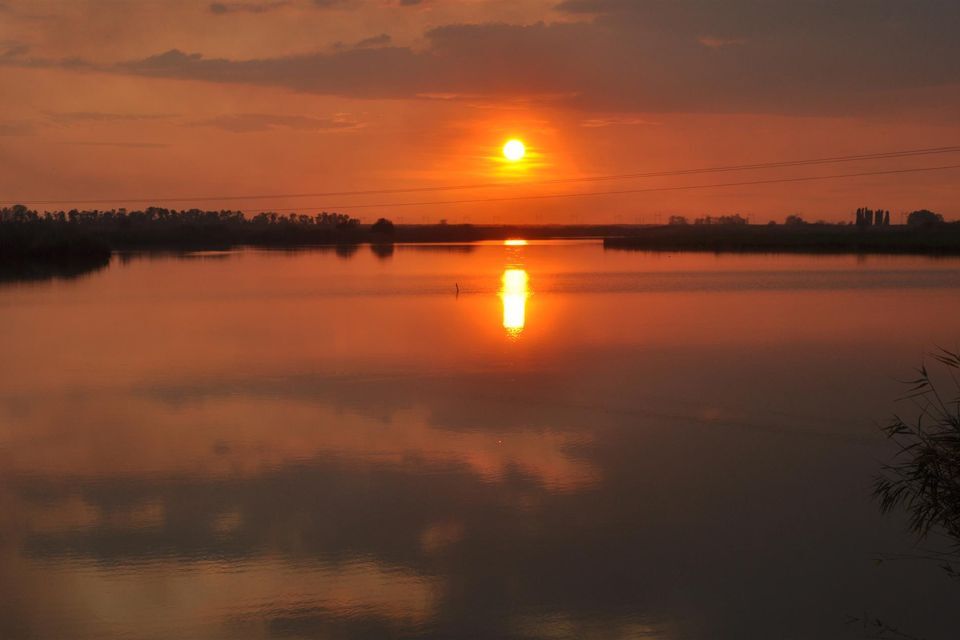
x: 578, y: 444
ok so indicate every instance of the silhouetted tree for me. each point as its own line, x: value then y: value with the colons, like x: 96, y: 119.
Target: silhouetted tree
x: 924, y: 218
x: 794, y: 219
x: 677, y: 221
x: 382, y: 227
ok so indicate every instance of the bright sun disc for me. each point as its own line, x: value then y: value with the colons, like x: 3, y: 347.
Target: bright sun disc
x: 514, y: 150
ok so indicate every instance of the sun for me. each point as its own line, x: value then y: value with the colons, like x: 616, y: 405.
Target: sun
x: 514, y: 150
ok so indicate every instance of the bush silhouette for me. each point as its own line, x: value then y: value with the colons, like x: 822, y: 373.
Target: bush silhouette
x: 383, y: 227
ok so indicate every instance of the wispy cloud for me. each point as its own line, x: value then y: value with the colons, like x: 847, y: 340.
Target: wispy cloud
x: 266, y: 6
x: 374, y: 41
x: 223, y: 8
x: 75, y: 117
x: 16, y: 128
x: 254, y: 122
x: 13, y: 49
x: 719, y: 43
x: 614, y: 121
x: 52, y: 120
x: 129, y: 145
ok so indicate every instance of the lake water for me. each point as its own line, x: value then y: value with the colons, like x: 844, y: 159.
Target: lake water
x: 578, y: 443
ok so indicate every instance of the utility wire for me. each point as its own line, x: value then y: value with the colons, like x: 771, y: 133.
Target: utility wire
x: 484, y: 185
x: 347, y: 207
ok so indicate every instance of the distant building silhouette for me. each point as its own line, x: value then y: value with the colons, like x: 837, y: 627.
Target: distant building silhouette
x: 869, y: 218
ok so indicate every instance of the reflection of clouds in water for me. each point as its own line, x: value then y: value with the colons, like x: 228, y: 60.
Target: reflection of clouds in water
x: 156, y: 483
x: 440, y: 535
x: 193, y: 472
x: 172, y: 438
x: 251, y: 593
x: 565, y: 627
x: 500, y: 552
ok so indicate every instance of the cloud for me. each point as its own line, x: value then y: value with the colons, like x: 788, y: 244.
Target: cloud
x: 381, y: 40
x: 718, y: 43
x: 253, y: 122
x: 16, y: 128
x: 374, y: 41
x: 612, y: 121
x: 368, y: 72
x: 53, y: 119
x: 807, y: 58
x: 128, y: 145
x: 13, y: 49
x: 223, y: 8
x: 74, y: 117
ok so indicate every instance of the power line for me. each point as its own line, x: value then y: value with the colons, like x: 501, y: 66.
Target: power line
x: 484, y: 185
x: 347, y: 207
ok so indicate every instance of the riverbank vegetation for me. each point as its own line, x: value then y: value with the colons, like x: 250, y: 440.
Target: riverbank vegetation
x: 924, y: 232
x: 923, y: 477
x: 28, y: 234
x: 70, y: 236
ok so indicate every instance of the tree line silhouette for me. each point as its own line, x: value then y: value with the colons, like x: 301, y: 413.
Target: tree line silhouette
x: 25, y: 233
x: 70, y: 234
x: 125, y: 224
x: 734, y: 218
x: 924, y: 232
x: 91, y: 235
x: 863, y: 217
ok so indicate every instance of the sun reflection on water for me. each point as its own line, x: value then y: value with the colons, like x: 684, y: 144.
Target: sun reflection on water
x: 514, y: 293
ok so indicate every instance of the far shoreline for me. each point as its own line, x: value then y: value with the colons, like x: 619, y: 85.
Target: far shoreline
x: 934, y: 240
x: 72, y: 241
x: 68, y: 242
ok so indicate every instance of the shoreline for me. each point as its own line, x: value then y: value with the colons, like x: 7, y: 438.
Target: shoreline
x: 63, y: 245
x: 937, y: 240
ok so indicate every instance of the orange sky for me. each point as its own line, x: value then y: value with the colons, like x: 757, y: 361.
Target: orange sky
x: 122, y: 100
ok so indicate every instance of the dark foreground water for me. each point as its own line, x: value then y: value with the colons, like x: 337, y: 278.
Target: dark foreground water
x: 581, y: 444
